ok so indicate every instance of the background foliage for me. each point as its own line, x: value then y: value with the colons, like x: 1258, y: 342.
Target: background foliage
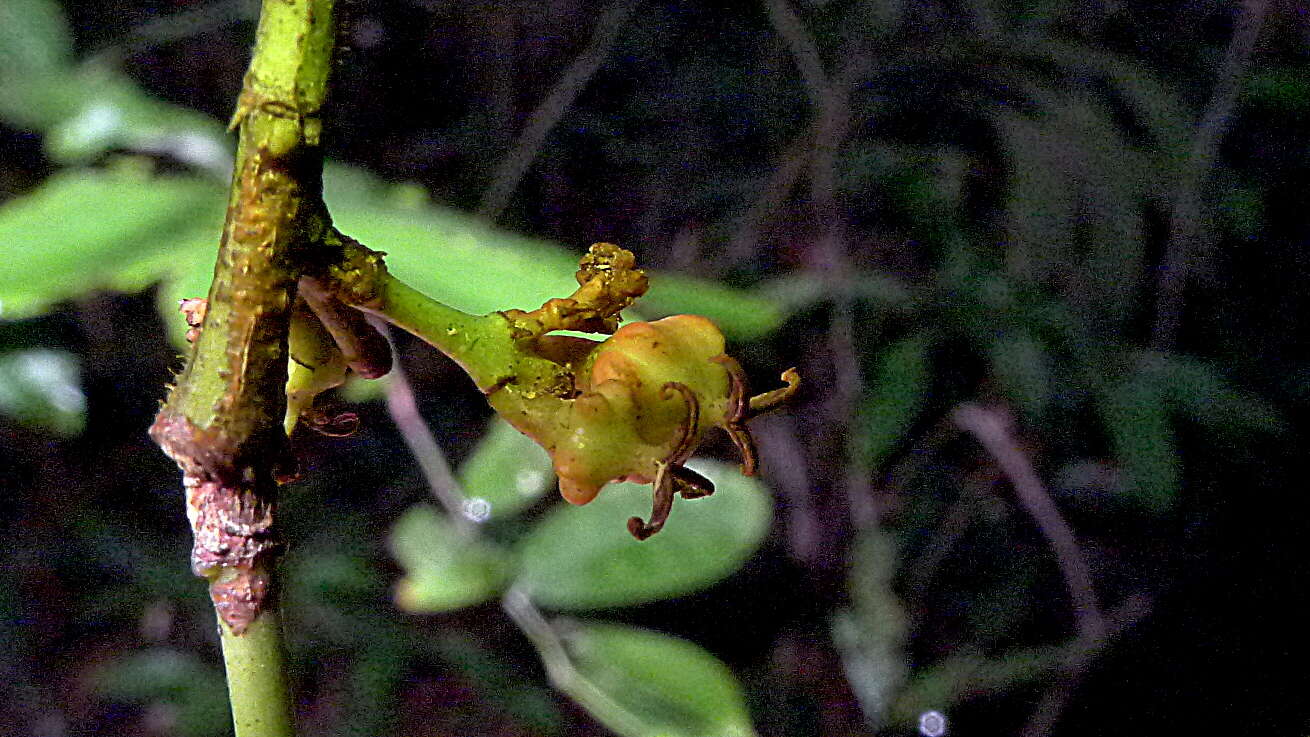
x: 953, y: 217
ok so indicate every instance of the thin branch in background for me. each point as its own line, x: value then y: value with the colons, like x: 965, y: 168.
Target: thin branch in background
x: 991, y: 428
x: 804, y: 50
x: 501, y: 21
x: 418, y: 437
x: 923, y: 569
x: 829, y: 97
x: 179, y: 25
x: 1185, y: 218
x: 781, y: 182
x: 514, y: 165
x: 783, y: 458
x: 1078, y: 658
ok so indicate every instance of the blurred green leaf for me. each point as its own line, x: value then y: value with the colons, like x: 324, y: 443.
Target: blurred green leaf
x: 641, y: 683
x: 872, y: 633
x: 84, y: 230
x: 740, y: 314
x: 1042, y: 196
x: 34, y: 37
x: 506, y: 472
x: 42, y: 388
x: 39, y: 99
x: 444, y: 569
x: 1154, y: 104
x: 1201, y: 394
x: 1136, y: 417
x: 93, y: 108
x: 1282, y: 88
x: 318, y: 575
x: 1111, y: 215
x: 899, y: 383
x: 584, y: 558
x: 468, y: 264
x: 195, y: 691
x: 1241, y: 209
x: 113, y: 113
x: 87, y: 230
x: 1021, y: 366
x: 960, y: 677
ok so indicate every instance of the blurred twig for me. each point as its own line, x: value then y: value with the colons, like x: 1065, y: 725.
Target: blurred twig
x: 781, y: 182
x: 783, y: 458
x: 403, y: 408
x: 1095, y: 629
x: 829, y: 97
x: 509, y: 172
x: 992, y: 430
x: 1185, y: 218
x: 1080, y: 654
x: 178, y: 25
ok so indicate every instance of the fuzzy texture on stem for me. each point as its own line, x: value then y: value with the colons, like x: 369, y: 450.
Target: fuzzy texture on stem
x: 223, y: 420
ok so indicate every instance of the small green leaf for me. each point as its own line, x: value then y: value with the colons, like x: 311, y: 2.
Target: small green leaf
x: 42, y: 387
x: 872, y: 633
x: 641, y: 683
x: 506, y: 472
x: 1042, y: 207
x: 444, y: 569
x: 584, y: 558
x: 1136, y: 417
x: 1282, y: 88
x: 1202, y: 394
x: 113, y: 113
x: 1020, y: 364
x: 87, y: 230
x: 900, y: 382
x: 193, y: 691
x: 962, y: 676
x: 34, y: 37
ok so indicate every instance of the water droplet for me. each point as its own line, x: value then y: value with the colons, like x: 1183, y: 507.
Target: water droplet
x: 932, y: 724
x: 477, y: 509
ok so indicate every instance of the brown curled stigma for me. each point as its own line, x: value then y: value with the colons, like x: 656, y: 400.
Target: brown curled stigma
x: 761, y: 403
x: 687, y: 443
x: 660, y: 506
x: 670, y: 475
x: 738, y: 411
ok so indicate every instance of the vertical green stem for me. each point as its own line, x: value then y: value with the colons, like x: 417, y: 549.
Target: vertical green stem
x: 223, y: 420
x: 256, y: 678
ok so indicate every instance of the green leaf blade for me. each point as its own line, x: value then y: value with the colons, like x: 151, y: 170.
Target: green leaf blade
x: 42, y: 388
x: 641, y: 683
x: 82, y: 231
x: 506, y: 473
x: 584, y: 558
x: 444, y: 569
x: 900, y: 383
x: 1142, y: 439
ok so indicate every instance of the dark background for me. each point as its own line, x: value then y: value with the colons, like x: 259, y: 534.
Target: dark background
x: 933, y: 180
